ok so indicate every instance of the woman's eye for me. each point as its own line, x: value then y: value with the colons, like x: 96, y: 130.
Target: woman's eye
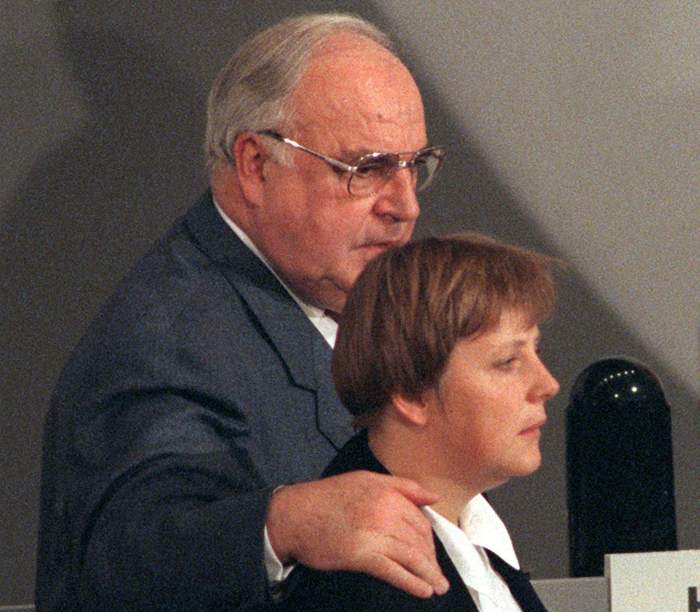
x: 506, y: 363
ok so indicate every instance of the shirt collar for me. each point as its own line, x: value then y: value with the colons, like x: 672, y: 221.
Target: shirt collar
x: 481, y: 525
x: 479, y: 528
x: 325, y: 324
x: 485, y: 528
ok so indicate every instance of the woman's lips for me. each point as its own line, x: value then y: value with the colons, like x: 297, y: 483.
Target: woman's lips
x: 534, y: 429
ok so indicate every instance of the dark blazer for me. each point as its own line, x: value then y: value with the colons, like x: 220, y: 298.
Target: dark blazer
x: 200, y: 386
x: 347, y: 591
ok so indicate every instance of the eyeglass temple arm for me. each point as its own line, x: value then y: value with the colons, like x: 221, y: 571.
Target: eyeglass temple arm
x: 336, y: 163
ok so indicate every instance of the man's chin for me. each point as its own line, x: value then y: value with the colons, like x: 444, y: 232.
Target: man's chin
x: 329, y: 295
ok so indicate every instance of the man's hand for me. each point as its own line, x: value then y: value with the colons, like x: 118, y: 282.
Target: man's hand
x: 359, y: 521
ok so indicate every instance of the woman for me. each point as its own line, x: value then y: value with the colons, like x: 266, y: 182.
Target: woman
x: 437, y: 359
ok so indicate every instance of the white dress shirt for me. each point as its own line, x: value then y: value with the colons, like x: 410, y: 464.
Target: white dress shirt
x: 479, y: 528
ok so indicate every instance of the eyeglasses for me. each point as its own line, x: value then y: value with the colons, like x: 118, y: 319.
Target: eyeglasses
x: 370, y: 172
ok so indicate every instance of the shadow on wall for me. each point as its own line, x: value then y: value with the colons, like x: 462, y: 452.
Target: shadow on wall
x: 95, y: 201
x: 87, y: 208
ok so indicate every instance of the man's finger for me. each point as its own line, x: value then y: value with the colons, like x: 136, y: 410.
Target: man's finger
x: 414, y: 492
x: 398, y: 576
x: 415, y: 562
x: 416, y: 522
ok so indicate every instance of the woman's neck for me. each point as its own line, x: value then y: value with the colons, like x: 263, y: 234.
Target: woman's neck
x: 405, y: 454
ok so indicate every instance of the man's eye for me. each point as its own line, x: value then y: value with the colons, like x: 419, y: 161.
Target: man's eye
x: 338, y: 171
x: 378, y: 166
x: 371, y: 169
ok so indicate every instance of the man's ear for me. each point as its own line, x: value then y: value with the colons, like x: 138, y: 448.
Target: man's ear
x: 412, y: 411
x: 250, y: 155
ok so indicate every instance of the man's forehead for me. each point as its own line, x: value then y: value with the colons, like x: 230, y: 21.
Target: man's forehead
x: 348, y: 135
x: 339, y: 70
x: 361, y: 96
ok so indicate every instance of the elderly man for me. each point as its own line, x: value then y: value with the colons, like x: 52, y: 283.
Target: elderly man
x: 204, y: 383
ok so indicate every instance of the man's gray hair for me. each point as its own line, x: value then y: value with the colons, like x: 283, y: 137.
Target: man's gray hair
x: 252, y: 91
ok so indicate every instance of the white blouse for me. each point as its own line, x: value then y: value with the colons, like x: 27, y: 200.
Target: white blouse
x: 479, y: 528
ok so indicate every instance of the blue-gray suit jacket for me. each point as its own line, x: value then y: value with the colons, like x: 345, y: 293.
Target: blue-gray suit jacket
x: 200, y: 386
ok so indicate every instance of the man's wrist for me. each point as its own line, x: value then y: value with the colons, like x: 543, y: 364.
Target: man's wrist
x: 275, y: 570
x: 277, y: 526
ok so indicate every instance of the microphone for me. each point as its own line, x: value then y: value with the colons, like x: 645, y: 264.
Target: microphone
x: 619, y: 464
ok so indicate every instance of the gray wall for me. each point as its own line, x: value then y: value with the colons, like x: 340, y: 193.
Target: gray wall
x: 101, y: 120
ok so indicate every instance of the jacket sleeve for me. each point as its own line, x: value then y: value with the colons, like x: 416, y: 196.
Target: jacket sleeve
x: 163, y: 523
x: 156, y: 493
x: 351, y: 591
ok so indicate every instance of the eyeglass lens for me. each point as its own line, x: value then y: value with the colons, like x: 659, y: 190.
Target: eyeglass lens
x: 375, y: 170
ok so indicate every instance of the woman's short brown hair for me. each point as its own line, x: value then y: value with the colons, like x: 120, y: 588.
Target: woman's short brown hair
x: 412, y: 304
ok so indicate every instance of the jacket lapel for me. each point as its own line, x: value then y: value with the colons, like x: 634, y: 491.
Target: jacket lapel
x: 333, y: 419
x: 355, y: 455
x: 303, y: 349
x: 519, y: 584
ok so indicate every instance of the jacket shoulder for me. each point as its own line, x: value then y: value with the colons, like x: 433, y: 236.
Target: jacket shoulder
x: 352, y: 591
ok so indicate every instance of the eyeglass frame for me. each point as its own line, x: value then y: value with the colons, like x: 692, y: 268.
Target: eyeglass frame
x: 438, y: 152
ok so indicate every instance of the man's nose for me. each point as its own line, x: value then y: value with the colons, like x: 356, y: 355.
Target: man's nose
x: 397, y: 198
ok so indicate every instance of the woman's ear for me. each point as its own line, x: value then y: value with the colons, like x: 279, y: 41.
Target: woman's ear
x: 250, y: 155
x: 412, y: 411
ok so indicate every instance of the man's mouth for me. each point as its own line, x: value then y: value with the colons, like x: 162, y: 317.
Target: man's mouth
x: 381, y: 245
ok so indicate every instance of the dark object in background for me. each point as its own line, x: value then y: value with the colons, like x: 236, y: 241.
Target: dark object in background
x: 619, y: 464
